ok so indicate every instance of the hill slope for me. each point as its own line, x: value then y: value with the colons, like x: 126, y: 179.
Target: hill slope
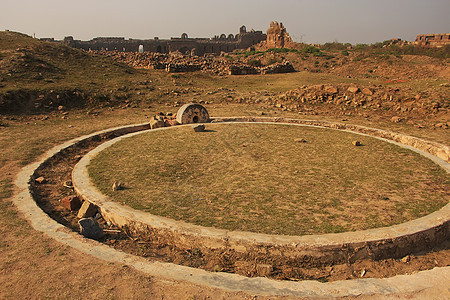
x: 37, y: 75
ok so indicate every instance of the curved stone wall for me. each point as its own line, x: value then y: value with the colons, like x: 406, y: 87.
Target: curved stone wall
x: 394, y: 241
x: 40, y: 221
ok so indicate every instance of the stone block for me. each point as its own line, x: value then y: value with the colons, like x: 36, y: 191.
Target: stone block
x: 171, y: 122
x: 263, y: 270
x: 41, y: 180
x: 396, y: 119
x: 156, y: 123
x: 71, y: 202
x: 331, y: 90
x: 87, y: 210
x: 90, y: 228
x: 367, y: 91
x: 353, y: 89
x: 199, y: 128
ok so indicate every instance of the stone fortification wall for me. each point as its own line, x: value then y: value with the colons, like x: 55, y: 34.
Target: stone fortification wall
x: 184, y: 44
x: 433, y: 40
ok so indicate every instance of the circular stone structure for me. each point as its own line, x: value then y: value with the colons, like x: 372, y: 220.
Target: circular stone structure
x: 192, y: 113
x: 425, y: 227
x: 386, y: 242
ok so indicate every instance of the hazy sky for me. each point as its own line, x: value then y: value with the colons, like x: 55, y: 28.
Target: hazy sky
x: 311, y: 21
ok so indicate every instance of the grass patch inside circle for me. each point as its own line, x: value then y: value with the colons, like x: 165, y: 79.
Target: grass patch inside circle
x: 261, y: 178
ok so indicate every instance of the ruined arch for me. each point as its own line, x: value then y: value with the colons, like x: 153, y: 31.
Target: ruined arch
x: 184, y: 36
x: 223, y: 36
x: 231, y: 36
x: 243, y: 29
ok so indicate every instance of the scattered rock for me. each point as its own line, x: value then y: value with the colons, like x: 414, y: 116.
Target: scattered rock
x: 406, y: 259
x: 68, y: 184
x: 331, y: 90
x: 171, y: 122
x: 117, y: 186
x: 363, y: 272
x: 264, y: 270
x: 40, y: 180
x: 396, y: 119
x: 353, y: 89
x: 71, y: 202
x: 356, y: 143
x: 367, y: 91
x: 199, y: 128
x: 87, y: 210
x: 90, y: 228
x: 300, y: 140
x: 156, y: 122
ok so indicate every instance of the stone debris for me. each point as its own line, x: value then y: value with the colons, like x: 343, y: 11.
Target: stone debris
x: 90, y: 228
x: 264, y: 270
x: 68, y: 184
x: 396, y: 119
x: 406, y: 259
x: 199, y: 128
x: 353, y: 89
x: 348, y: 98
x: 117, y: 186
x: 157, y: 122
x: 176, y: 62
x: 363, y: 272
x: 71, y: 202
x: 40, y: 180
x: 367, y: 91
x: 276, y: 68
x: 356, y: 143
x: 300, y: 140
x: 87, y: 210
x: 331, y: 90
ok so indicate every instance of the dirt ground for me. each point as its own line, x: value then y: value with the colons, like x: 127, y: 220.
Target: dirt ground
x: 34, y: 266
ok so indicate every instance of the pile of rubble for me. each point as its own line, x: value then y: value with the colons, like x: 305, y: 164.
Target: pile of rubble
x: 163, y: 120
x: 176, y: 62
x: 350, y: 97
x: 276, y: 68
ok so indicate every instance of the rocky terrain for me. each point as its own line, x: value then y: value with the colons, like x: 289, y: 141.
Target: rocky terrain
x: 177, y: 63
x: 39, y: 77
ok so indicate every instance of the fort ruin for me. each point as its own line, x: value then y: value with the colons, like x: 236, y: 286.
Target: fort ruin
x: 433, y: 40
x: 184, y: 44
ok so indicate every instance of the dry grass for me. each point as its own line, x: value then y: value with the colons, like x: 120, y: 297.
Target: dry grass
x: 258, y: 178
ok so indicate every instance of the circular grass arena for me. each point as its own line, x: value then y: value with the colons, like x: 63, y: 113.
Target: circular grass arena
x: 274, y: 179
